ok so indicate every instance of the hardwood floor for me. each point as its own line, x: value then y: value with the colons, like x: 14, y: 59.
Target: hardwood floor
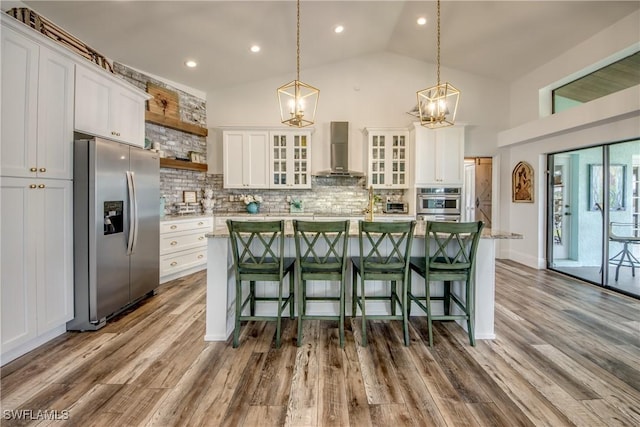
x: 566, y: 354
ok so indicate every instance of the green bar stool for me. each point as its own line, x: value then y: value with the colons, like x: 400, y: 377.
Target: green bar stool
x: 321, y: 254
x: 385, y: 249
x: 450, y: 253
x: 258, y: 249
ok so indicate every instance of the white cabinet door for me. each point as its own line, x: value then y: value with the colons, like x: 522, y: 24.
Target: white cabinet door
x: 54, y: 254
x: 37, y: 110
x: 128, y: 113
x: 290, y: 164
x: 387, y: 158
x: 55, y: 115
x: 19, y: 105
x: 93, y: 103
x: 245, y: 159
x: 37, y: 267
x: 20, y: 209
x: 107, y: 107
x: 439, y: 156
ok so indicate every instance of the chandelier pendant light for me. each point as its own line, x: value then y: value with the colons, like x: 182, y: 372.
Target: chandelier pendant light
x: 438, y: 104
x: 298, y: 100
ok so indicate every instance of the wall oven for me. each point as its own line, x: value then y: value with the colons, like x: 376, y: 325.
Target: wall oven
x: 439, y: 203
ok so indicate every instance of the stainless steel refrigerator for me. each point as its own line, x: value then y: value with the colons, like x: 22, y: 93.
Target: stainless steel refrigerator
x: 116, y: 229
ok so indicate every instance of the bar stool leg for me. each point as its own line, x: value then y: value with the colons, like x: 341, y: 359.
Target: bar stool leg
x: 236, y: 329
x: 252, y: 295
x: 363, y: 305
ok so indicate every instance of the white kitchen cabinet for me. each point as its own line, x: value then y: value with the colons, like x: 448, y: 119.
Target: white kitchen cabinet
x: 387, y: 158
x: 37, y: 109
x: 290, y: 164
x: 439, y: 156
x: 108, y: 106
x: 36, y: 258
x: 245, y: 156
x: 183, y: 246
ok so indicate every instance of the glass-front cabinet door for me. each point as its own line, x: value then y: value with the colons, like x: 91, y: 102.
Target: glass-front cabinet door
x: 387, y: 158
x: 290, y: 159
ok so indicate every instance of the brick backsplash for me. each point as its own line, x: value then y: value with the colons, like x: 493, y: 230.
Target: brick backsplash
x: 174, y: 142
x: 341, y: 195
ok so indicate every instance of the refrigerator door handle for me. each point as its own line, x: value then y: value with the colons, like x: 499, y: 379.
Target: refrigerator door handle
x: 132, y: 213
x: 135, y: 212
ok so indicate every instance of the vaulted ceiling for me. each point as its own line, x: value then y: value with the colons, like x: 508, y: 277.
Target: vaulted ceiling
x: 496, y: 39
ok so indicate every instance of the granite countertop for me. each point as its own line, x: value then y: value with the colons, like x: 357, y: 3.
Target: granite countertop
x: 174, y: 217
x: 353, y: 231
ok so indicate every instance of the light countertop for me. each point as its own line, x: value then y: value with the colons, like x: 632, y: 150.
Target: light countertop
x: 222, y: 231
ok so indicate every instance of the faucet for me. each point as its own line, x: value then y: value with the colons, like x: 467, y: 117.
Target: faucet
x: 368, y: 211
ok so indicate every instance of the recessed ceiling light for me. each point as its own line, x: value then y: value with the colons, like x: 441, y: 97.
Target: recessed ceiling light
x: 422, y: 20
x: 191, y: 63
x: 255, y: 48
x: 338, y: 29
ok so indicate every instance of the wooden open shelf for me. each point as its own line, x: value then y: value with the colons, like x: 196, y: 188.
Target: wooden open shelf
x: 180, y: 164
x: 161, y: 120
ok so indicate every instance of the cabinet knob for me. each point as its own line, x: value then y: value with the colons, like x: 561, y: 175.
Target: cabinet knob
x: 200, y: 256
x: 33, y: 170
x: 114, y: 133
x: 200, y: 223
x: 173, y: 227
x: 32, y: 186
x: 41, y: 186
x: 174, y: 243
x: 174, y: 263
x: 43, y: 169
x: 201, y: 238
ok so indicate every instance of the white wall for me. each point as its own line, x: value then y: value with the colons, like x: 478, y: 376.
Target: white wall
x: 374, y: 90
x: 613, y: 118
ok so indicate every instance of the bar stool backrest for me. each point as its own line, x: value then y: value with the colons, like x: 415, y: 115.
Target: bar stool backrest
x: 390, y: 245
x: 452, y: 246
x: 257, y: 246
x: 321, y: 246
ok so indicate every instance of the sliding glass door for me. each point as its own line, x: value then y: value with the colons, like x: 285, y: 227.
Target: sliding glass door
x: 593, y: 215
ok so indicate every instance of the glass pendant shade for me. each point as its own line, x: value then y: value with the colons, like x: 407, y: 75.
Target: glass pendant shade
x: 438, y: 105
x: 298, y: 102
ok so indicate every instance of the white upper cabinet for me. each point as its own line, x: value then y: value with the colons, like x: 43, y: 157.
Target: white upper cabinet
x: 439, y: 156
x: 37, y: 109
x: 245, y: 159
x: 387, y: 158
x: 290, y: 164
x: 108, y: 107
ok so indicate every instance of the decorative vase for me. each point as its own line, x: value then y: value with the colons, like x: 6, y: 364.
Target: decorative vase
x: 253, y: 208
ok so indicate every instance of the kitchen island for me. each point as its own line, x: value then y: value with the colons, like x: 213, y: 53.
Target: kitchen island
x: 220, y: 299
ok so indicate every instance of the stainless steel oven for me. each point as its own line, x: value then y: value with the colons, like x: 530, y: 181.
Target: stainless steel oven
x: 439, y: 201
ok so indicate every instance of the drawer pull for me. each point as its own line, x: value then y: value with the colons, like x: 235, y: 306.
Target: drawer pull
x: 200, y: 256
x: 201, y: 238
x: 200, y: 223
x: 174, y: 243
x: 173, y: 227
x: 174, y: 263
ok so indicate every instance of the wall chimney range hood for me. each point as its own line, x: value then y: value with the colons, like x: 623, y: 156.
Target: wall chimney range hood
x: 340, y: 153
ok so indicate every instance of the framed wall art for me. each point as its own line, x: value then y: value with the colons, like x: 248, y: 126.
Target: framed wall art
x: 617, y: 174
x: 522, y: 183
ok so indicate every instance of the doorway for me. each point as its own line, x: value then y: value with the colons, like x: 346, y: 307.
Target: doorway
x: 478, y: 189
x: 593, y: 215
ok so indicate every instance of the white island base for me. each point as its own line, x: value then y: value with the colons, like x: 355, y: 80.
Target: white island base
x: 221, y: 285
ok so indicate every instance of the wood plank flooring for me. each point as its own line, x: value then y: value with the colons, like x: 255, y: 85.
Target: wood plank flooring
x: 567, y: 353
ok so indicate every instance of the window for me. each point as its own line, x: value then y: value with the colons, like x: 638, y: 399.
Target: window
x: 615, y: 77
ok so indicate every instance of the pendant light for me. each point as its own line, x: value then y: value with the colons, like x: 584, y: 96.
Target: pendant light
x: 298, y: 100
x: 438, y: 104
